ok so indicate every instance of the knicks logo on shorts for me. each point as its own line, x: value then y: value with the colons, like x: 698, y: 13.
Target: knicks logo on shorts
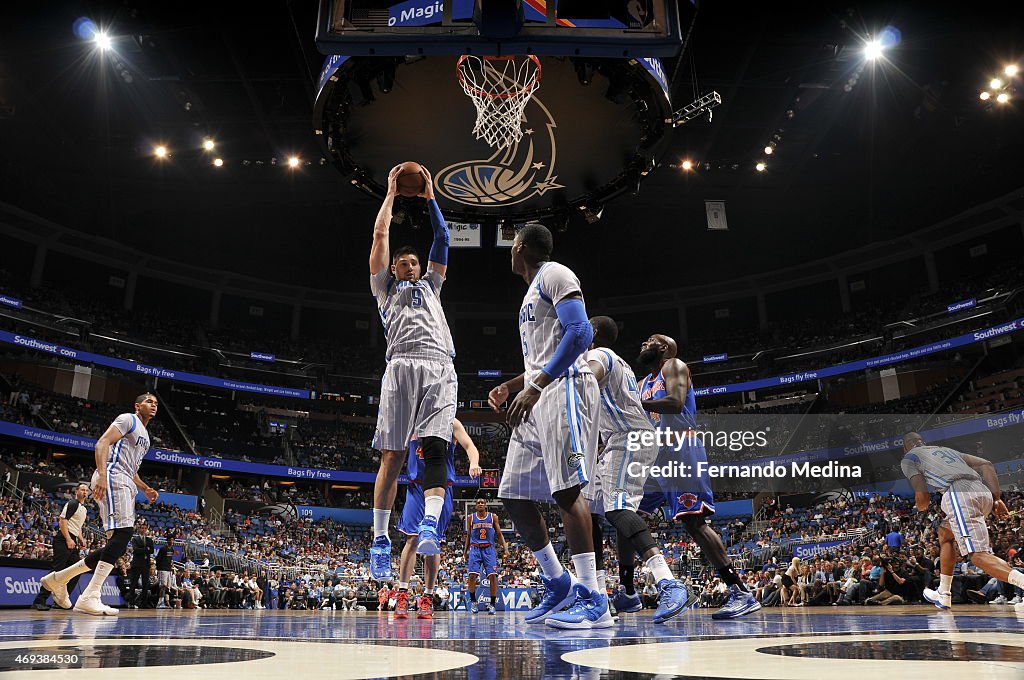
x: 687, y: 500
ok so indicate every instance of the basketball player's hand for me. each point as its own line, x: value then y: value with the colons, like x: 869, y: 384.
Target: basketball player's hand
x: 475, y: 471
x: 497, y: 397
x: 71, y: 544
x: 428, y: 183
x: 393, y: 180
x: 99, y: 490
x: 152, y: 494
x: 522, y: 406
x: 999, y: 509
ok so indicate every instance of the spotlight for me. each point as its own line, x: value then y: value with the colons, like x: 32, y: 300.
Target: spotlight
x: 293, y: 161
x: 984, y: 96
x: 218, y: 162
x: 995, y: 83
x: 687, y: 165
x: 873, y: 50
x: 160, y: 151
x: 761, y: 167
x: 102, y: 40
x: 208, y: 144
x: 769, y: 150
x: 1010, y: 70
x: 1003, y: 98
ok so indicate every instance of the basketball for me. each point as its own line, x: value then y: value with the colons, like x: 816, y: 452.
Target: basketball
x: 411, y: 182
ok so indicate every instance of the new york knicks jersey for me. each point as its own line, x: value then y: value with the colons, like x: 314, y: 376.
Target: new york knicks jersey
x: 540, y: 330
x: 414, y: 322
x: 654, y: 388
x: 939, y: 465
x: 126, y: 455
x: 415, y: 464
x: 482, y: 530
x: 621, y: 410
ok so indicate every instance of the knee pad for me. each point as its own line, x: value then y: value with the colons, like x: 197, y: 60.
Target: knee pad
x: 117, y: 545
x: 435, y: 472
x: 633, y: 527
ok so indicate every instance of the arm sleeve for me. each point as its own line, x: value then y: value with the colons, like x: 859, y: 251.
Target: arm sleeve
x: 439, y: 248
x: 577, y: 334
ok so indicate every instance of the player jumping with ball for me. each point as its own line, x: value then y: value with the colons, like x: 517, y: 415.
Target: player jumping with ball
x: 418, y: 390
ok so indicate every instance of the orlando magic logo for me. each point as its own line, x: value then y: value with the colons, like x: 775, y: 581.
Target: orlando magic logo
x: 512, y: 175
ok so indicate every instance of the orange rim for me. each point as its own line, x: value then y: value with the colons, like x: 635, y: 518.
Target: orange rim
x: 492, y: 95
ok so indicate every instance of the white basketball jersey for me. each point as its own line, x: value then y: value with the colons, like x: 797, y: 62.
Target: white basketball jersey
x: 539, y: 328
x: 621, y: 410
x: 414, y: 321
x: 127, y: 454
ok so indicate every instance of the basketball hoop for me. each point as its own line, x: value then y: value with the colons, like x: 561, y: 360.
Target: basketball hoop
x: 500, y: 88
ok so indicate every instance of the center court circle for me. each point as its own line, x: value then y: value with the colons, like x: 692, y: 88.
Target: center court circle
x: 268, y: 659
x: 756, y: 658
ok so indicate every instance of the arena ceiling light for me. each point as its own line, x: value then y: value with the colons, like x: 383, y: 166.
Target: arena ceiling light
x: 984, y: 96
x: 102, y: 41
x: 161, y: 151
x: 218, y: 162
x: 209, y: 144
x: 687, y: 165
x: 1003, y: 97
x: 769, y: 150
x: 293, y: 161
x: 761, y: 167
x: 1010, y: 70
x: 995, y: 83
x: 873, y: 50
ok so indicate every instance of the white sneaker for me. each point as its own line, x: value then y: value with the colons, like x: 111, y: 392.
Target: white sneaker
x: 1019, y: 608
x: 940, y: 600
x: 93, y: 605
x: 1015, y: 600
x: 999, y: 600
x: 58, y: 589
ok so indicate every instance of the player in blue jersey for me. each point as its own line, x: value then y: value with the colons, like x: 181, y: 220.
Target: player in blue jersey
x: 412, y: 517
x: 483, y: 537
x: 970, y: 492
x: 667, y: 395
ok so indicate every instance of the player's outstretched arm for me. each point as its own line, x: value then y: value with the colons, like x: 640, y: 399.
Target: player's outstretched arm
x: 437, y: 261
x: 466, y: 442
x: 380, y: 251
x: 677, y: 381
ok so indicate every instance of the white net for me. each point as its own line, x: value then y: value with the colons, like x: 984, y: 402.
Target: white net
x: 500, y: 88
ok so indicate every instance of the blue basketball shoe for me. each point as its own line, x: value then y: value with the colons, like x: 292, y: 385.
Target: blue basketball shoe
x: 430, y: 542
x: 737, y: 604
x: 558, y: 593
x: 380, y: 558
x: 626, y: 603
x: 673, y: 598
x: 589, y: 611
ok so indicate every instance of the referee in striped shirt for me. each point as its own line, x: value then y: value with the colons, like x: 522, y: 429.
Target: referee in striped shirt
x: 67, y: 541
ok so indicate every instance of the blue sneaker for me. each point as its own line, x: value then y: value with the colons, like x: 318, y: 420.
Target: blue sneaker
x: 430, y: 542
x: 380, y: 558
x: 673, y: 598
x: 626, y: 603
x: 737, y: 604
x: 557, y: 594
x: 589, y: 611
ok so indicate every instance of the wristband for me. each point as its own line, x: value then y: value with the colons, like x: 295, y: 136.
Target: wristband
x: 534, y: 385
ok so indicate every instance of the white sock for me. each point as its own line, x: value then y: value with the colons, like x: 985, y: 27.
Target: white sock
x: 659, y: 567
x: 99, y: 575
x: 586, y: 569
x: 428, y: 591
x: 548, y: 561
x: 381, y: 518
x: 432, y: 506
x: 403, y: 586
x: 602, y: 580
x: 945, y: 584
x: 1015, y: 578
x: 65, y: 575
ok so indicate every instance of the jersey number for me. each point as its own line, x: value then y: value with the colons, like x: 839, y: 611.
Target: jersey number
x: 631, y: 382
x: 483, y: 534
x: 945, y: 455
x: 417, y: 297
